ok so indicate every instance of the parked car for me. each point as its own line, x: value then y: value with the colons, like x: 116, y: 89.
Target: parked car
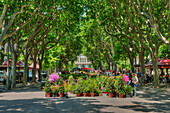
x: 3, y: 77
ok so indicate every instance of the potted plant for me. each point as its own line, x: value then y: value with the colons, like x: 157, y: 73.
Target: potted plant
x: 56, y: 91
x: 110, y: 88
x: 128, y: 90
x: 120, y: 87
x: 92, y: 86
x: 70, y: 88
x: 85, y: 91
x: 61, y: 87
x: 47, y: 88
x: 66, y: 90
x: 79, y: 86
x: 47, y: 91
x: 53, y: 90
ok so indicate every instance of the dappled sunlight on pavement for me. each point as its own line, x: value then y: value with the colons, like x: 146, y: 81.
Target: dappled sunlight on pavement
x: 34, y: 101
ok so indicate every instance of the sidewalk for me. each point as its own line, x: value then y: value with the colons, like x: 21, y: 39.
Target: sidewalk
x: 32, y: 100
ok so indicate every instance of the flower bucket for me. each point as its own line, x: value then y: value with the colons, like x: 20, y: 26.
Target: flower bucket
x: 84, y: 94
x: 78, y: 94
x: 101, y: 94
x: 110, y: 95
x: 48, y: 95
x: 92, y: 94
x: 61, y: 95
x: 120, y: 95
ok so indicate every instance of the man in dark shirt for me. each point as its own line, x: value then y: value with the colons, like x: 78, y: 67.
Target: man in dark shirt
x: 139, y: 77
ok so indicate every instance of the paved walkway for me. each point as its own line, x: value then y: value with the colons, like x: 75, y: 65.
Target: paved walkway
x: 33, y: 101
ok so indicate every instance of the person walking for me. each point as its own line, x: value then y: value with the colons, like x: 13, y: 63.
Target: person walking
x: 134, y: 83
x: 139, y: 78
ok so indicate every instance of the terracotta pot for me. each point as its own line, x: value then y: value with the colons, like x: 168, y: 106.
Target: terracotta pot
x: 48, y: 95
x: 89, y: 94
x: 120, y: 95
x: 84, y: 94
x: 61, y: 95
x: 101, y: 94
x: 110, y: 95
x: 92, y: 94
x: 78, y: 94
x: 70, y: 91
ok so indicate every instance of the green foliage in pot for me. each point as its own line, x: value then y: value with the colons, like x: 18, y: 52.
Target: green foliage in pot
x: 66, y: 88
x: 61, y: 85
x: 71, y: 80
x: 103, y: 80
x: 93, y: 85
x: 110, y: 87
x: 128, y: 89
x: 52, y: 88
x: 79, y: 85
x: 120, y: 85
x: 86, y: 86
x: 47, y: 88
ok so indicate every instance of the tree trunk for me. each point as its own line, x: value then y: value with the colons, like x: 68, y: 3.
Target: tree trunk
x: 155, y: 68
x: 131, y: 63
x: 40, y: 71
x: 34, y: 72
x: 25, y: 74
x: 13, y: 71
x: 100, y: 65
x: 142, y: 63
x: 108, y: 65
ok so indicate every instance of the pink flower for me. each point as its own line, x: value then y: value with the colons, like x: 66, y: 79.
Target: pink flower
x: 53, y: 77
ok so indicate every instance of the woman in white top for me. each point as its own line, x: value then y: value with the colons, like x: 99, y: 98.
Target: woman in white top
x: 134, y: 83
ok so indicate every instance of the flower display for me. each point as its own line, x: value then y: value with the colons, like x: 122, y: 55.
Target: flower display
x: 53, y: 77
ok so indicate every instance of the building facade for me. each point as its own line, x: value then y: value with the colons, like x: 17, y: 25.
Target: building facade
x: 82, y: 62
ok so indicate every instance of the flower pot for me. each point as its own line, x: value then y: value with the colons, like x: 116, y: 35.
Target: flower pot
x: 89, y: 94
x: 110, y: 95
x: 61, y: 95
x: 120, y: 95
x: 92, y: 94
x: 48, y: 95
x: 70, y: 91
x: 78, y: 94
x: 84, y: 94
x: 101, y: 94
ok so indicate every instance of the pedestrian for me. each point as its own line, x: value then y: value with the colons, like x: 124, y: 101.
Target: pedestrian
x: 139, y: 77
x: 134, y: 83
x: 130, y: 74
